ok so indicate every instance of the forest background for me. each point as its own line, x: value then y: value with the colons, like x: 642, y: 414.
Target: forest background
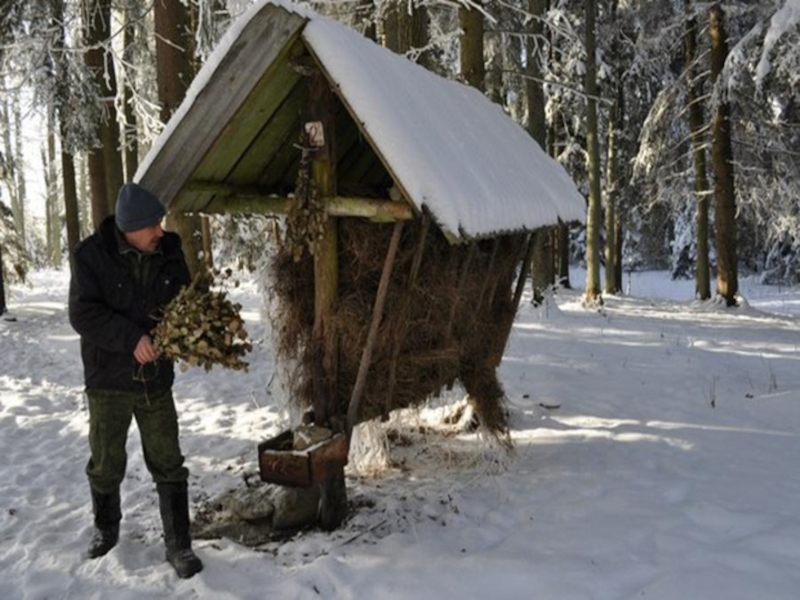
x: 678, y: 119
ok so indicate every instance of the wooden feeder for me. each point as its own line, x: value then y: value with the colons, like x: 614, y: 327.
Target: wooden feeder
x: 444, y: 157
x: 279, y: 463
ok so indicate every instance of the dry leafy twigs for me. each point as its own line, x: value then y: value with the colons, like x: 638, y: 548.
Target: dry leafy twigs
x: 305, y: 221
x: 202, y: 328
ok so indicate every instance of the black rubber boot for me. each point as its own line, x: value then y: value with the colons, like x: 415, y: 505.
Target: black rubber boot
x: 107, y: 516
x: 173, y: 501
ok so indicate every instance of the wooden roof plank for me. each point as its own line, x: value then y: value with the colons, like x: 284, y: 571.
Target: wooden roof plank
x: 259, y: 108
x: 352, y: 147
x: 282, y: 169
x: 271, y: 139
x: 218, y: 99
x: 364, y: 163
x: 377, y: 175
x: 237, y: 138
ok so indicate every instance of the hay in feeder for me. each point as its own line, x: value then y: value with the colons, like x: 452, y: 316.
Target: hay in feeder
x: 450, y: 323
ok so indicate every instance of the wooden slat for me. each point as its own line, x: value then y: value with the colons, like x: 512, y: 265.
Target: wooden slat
x: 281, y: 172
x: 377, y: 175
x: 271, y: 139
x: 244, y: 127
x: 238, y: 135
x: 350, y: 143
x: 355, y: 151
x: 259, y: 44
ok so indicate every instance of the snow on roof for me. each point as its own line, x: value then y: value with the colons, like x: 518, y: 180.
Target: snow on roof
x: 448, y: 147
x: 451, y: 149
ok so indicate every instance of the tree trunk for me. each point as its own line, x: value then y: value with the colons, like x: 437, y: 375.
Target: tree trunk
x: 561, y: 231
x: 722, y: 159
x: 64, y: 102
x: 22, y: 193
x: 541, y: 269
x: 695, y: 91
x: 404, y: 31
x: 129, y: 135
x: 3, y: 308
x: 10, y: 163
x: 174, y: 54
x: 52, y: 216
x: 420, y: 35
x: 618, y: 248
x: 612, y: 168
x: 593, y: 218
x: 84, y: 196
x: 563, y: 256
x: 70, y: 199
x: 495, y: 48
x: 97, y: 187
x: 19, y: 171
x: 105, y: 162
x: 390, y: 27
x: 472, y: 67
x: 366, y: 19
x: 537, y: 123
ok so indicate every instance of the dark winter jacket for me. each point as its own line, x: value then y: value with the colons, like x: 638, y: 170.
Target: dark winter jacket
x: 115, y: 296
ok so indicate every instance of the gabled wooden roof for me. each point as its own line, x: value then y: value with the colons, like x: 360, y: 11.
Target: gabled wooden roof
x: 233, y: 140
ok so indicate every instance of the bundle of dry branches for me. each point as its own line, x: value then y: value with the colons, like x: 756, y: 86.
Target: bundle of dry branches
x: 201, y: 327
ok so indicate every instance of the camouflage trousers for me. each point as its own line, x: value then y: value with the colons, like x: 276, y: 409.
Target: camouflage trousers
x: 110, y: 415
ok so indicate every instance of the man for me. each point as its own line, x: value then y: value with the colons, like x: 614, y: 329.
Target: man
x: 122, y: 276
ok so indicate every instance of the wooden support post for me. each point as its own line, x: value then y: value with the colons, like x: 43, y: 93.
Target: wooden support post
x: 333, y: 501
x: 404, y: 304
x: 326, y: 264
x: 377, y: 316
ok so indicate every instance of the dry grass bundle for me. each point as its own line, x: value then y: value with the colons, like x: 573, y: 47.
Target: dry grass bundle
x: 202, y: 328
x: 449, y: 322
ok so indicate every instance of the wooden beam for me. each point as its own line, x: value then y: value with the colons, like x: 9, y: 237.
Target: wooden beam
x: 253, y: 200
x: 328, y: 410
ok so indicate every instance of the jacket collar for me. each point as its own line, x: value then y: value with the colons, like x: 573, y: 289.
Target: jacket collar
x: 117, y: 244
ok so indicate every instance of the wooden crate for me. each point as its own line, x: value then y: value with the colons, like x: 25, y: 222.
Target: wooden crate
x: 279, y: 463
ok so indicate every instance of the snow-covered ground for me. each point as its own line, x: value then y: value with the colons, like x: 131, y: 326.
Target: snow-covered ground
x: 669, y: 471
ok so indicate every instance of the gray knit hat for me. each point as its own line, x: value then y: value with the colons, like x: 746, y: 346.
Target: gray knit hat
x: 137, y: 208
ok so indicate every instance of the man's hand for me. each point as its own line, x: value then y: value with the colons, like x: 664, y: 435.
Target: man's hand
x: 144, y: 351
